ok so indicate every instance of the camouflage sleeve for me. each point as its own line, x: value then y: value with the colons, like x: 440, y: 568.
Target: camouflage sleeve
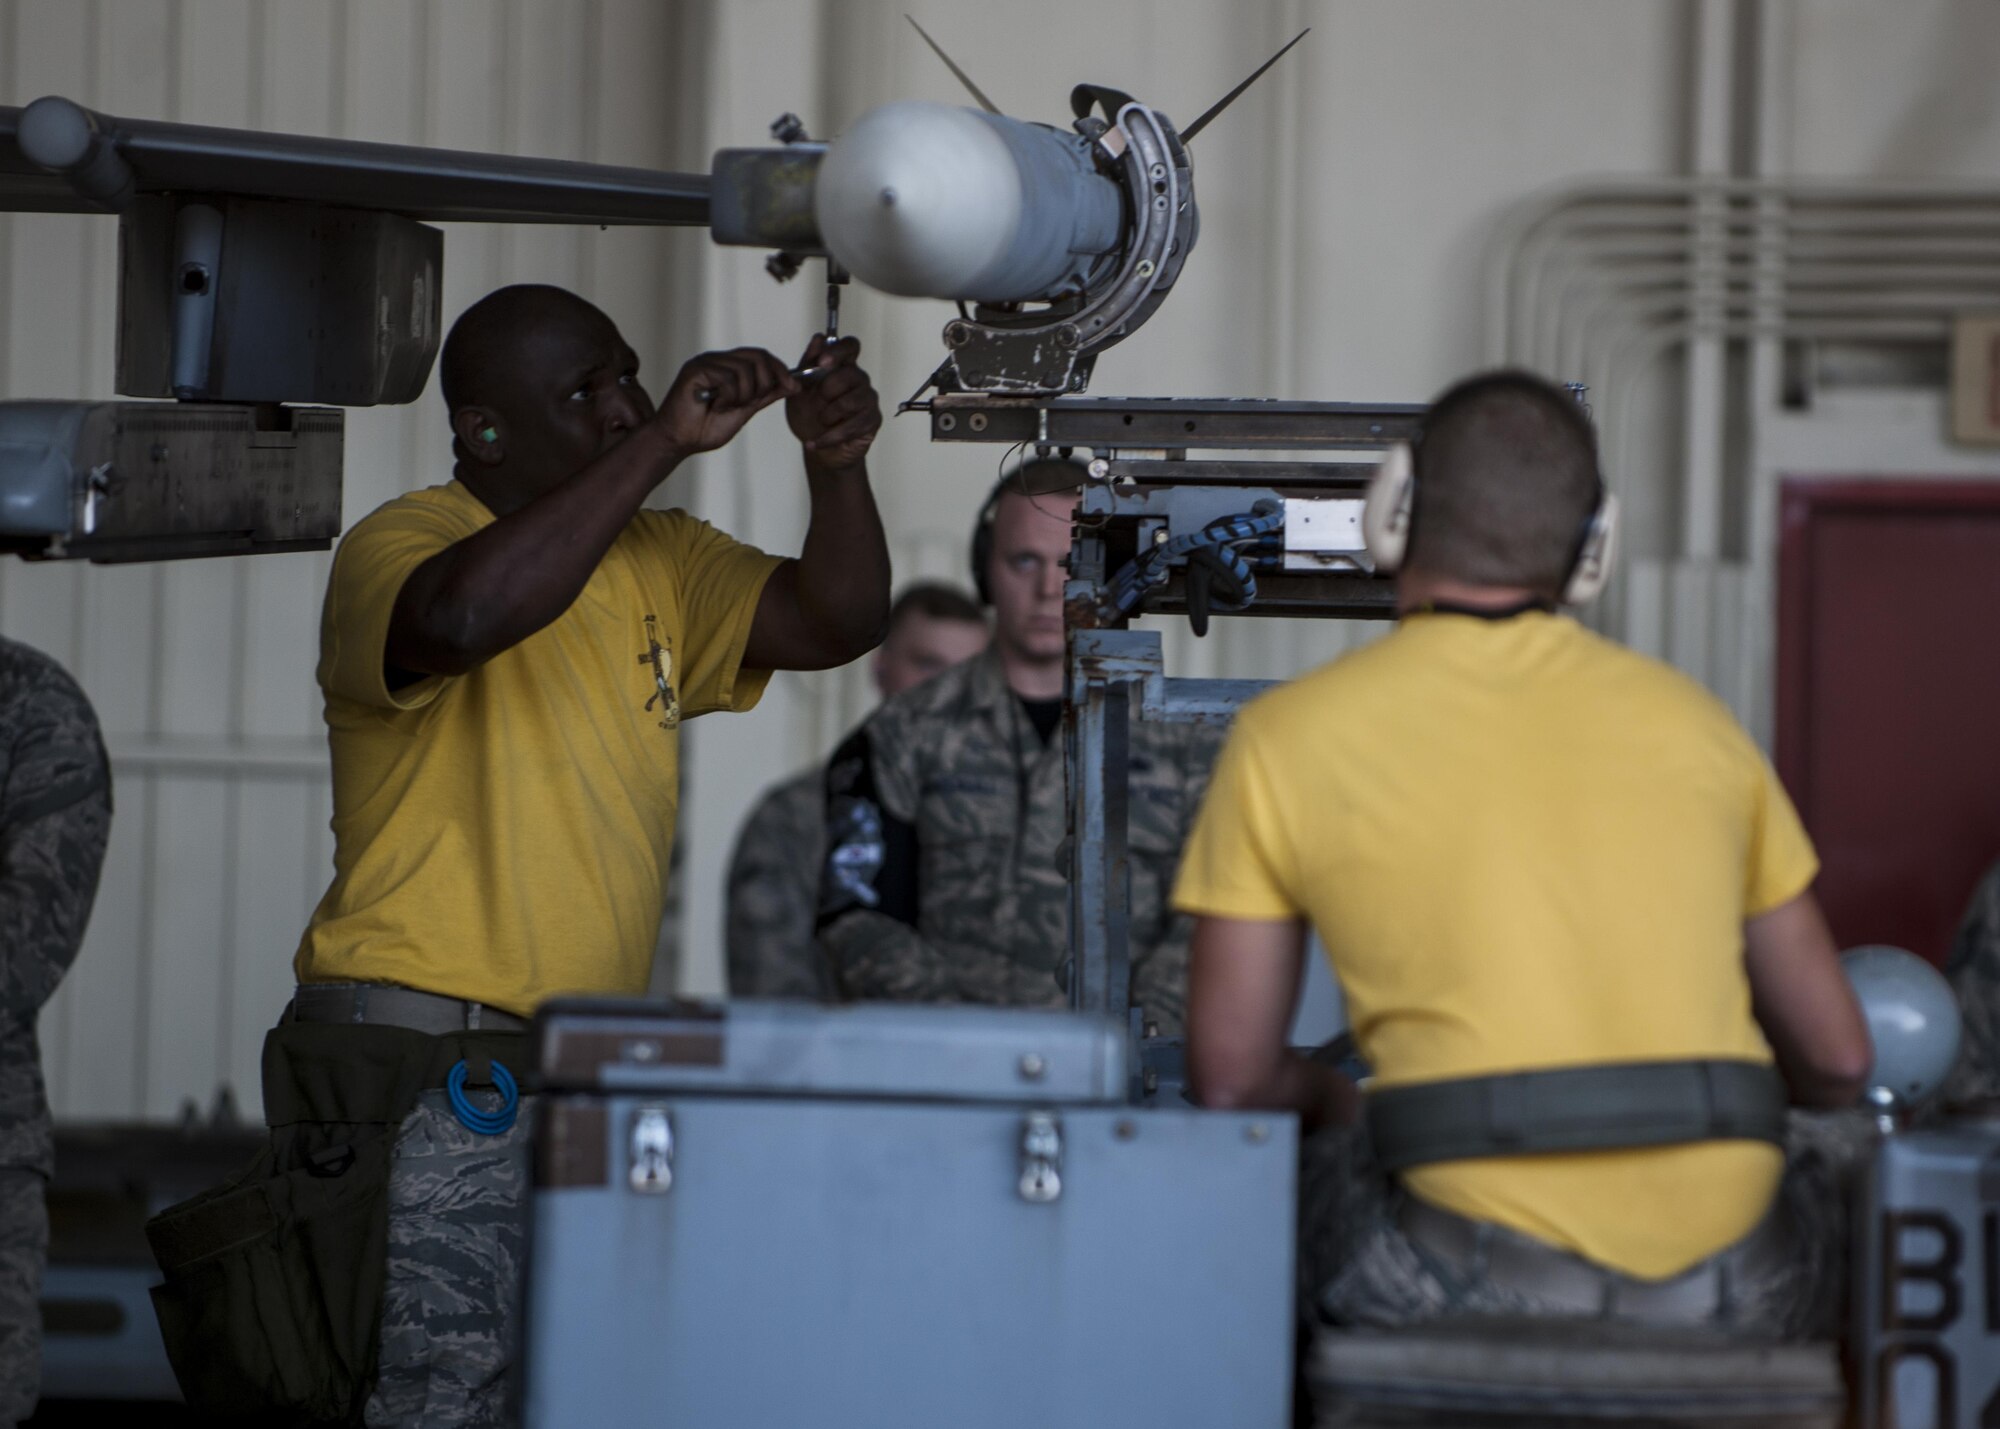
x: 869, y: 896
x: 773, y: 893
x: 1974, y: 968
x: 55, y: 816
x: 1160, y: 949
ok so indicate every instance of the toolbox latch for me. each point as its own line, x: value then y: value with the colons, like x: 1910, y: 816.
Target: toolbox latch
x: 652, y: 1151
x: 1041, y: 1157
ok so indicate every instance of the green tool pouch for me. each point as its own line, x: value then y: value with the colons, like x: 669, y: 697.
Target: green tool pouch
x: 274, y: 1287
x: 272, y: 1305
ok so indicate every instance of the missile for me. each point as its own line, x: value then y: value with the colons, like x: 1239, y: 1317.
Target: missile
x: 930, y: 200
x: 1055, y: 244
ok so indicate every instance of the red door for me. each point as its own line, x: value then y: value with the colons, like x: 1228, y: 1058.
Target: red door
x: 1888, y: 709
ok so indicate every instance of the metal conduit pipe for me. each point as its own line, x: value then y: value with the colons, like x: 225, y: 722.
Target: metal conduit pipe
x: 1767, y: 259
x: 1826, y: 269
x: 1603, y: 283
x: 1669, y: 205
x: 1773, y: 242
x: 1944, y: 286
x: 1578, y: 316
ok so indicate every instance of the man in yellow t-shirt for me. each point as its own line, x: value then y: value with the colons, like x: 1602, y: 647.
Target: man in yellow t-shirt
x: 507, y: 661
x: 1525, y: 849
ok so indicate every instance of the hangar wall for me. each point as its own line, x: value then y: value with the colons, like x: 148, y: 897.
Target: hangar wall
x: 1349, y: 207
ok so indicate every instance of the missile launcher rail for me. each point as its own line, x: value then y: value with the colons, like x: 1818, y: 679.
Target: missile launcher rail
x: 1260, y: 467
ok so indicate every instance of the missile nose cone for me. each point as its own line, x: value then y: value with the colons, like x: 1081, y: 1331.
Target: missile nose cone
x: 918, y: 199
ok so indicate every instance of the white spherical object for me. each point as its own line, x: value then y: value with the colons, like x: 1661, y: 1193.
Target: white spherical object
x: 919, y: 199
x: 1912, y: 1016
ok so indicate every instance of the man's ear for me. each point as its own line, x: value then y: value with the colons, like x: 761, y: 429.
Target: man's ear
x: 480, y: 433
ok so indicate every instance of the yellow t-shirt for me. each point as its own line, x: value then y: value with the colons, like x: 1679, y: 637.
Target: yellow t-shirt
x: 503, y: 834
x: 1523, y: 847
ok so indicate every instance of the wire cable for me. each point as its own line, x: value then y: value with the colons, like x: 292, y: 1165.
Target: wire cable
x: 474, y: 1119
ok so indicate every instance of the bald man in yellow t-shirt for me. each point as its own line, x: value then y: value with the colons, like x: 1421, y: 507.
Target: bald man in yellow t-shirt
x: 1526, y: 850
x: 507, y: 661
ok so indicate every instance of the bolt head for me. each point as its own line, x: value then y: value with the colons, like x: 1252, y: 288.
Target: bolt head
x: 1033, y: 1067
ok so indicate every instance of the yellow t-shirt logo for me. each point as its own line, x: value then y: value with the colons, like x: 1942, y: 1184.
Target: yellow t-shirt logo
x: 661, y: 658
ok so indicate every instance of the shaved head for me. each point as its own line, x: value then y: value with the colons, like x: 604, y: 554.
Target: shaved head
x: 538, y: 384
x: 1506, y: 477
x: 495, y: 338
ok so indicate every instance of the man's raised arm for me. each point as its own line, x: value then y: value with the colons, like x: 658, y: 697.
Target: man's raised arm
x: 497, y: 587
x: 1805, y: 1004
x: 831, y: 605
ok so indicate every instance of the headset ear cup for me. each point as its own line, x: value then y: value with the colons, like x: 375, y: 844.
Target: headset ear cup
x: 1385, y: 516
x: 1592, y: 571
x: 982, y: 554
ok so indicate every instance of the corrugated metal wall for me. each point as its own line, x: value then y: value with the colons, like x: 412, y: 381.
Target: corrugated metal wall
x: 202, y: 671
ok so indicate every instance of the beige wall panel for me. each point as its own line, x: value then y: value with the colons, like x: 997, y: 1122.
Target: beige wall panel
x: 187, y: 961
x: 1903, y: 91
x: 274, y: 879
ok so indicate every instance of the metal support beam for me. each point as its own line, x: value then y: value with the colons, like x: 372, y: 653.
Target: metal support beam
x: 436, y: 185
x: 1171, y: 423
x: 1107, y: 669
x: 1096, y: 763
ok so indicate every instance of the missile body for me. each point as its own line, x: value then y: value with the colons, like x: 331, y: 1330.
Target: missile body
x: 930, y: 200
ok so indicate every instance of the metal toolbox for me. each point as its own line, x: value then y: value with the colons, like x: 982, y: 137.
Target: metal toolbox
x: 872, y: 1216
x: 1927, y: 1280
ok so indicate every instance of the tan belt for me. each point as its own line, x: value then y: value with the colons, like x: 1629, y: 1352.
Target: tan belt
x: 397, y: 1007
x: 1563, y: 1282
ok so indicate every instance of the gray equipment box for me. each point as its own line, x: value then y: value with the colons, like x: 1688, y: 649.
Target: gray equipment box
x: 125, y: 481
x: 872, y: 1217
x: 1927, y: 1280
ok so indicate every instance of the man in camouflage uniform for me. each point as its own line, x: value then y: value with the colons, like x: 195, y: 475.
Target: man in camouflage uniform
x: 946, y: 879
x: 1974, y: 969
x: 55, y: 814
x: 774, y: 873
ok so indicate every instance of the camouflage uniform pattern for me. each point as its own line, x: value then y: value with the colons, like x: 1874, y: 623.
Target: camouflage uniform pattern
x: 774, y: 894
x: 24, y: 1249
x: 949, y: 787
x: 1357, y: 1267
x: 1974, y: 969
x: 451, y: 1314
x: 55, y: 815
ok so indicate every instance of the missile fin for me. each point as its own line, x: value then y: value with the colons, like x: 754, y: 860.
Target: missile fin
x: 963, y: 78
x: 1187, y: 134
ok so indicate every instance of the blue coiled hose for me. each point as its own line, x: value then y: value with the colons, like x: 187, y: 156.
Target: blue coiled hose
x: 1222, y: 536
x: 484, y: 1123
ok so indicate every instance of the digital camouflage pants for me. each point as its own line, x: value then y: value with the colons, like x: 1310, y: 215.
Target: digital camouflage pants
x: 457, y: 1237
x: 1356, y: 1266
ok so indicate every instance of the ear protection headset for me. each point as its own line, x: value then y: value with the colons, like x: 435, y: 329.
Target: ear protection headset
x: 982, y: 541
x: 1391, y: 508
x: 1054, y: 473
